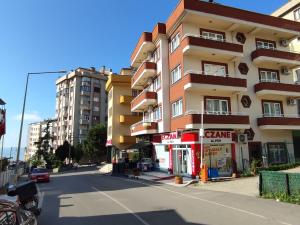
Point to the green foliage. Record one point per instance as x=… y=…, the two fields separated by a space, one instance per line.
x=283 y=197
x=253 y=167
x=94 y=145
x=36 y=161
x=77 y=152
x=4 y=163
x=246 y=173
x=62 y=152
x=280 y=167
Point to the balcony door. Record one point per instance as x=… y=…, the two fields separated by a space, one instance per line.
x=215 y=69
x=212 y=35
x=272 y=109
x=265 y=44
x=217 y=106
x=269 y=76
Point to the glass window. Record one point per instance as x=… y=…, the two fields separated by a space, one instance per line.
x=174 y=42
x=217 y=106
x=96 y=108
x=156 y=55
x=265 y=45
x=212 y=36
x=156 y=83
x=157 y=113
x=298 y=75
x=277 y=153
x=176 y=74
x=272 y=109
x=297 y=14
x=214 y=69
x=97 y=89
x=177 y=108
x=85 y=88
x=269 y=76
x=96 y=99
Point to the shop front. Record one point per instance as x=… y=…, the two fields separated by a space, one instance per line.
x=185 y=152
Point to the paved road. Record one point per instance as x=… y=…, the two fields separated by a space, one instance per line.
x=87 y=198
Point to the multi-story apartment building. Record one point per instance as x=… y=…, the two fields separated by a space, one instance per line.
x=35 y=132
x=229 y=69
x=120 y=117
x=81 y=102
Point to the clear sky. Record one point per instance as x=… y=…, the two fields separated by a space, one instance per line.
x=51 y=35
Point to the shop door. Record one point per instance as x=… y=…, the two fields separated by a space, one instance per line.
x=180 y=157
x=296 y=141
x=255 y=151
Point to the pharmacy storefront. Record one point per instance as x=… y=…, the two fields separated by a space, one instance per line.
x=181 y=153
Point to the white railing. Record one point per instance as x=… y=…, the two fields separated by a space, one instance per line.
x=218 y=113
x=199 y=72
x=204 y=37
x=277 y=81
x=143 y=121
x=10 y=177
x=268 y=115
x=276 y=49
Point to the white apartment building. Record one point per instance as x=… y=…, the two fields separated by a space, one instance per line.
x=35 y=132
x=81 y=102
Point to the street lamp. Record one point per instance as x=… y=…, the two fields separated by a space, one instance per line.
x=24 y=103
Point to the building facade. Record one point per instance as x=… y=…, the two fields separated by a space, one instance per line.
x=230 y=70
x=81 y=102
x=120 y=117
x=35 y=132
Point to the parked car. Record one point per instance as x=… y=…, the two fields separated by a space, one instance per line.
x=145 y=164
x=12 y=214
x=39 y=174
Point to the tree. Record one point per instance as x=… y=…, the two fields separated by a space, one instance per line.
x=94 y=145
x=62 y=152
x=44 y=149
x=77 y=152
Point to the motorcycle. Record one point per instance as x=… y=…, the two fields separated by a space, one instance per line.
x=28 y=196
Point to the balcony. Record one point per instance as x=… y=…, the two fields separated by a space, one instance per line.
x=126 y=99
x=84 y=122
x=85 y=93
x=83 y=132
x=124 y=139
x=143 y=46
x=211 y=49
x=279 y=122
x=144 y=127
x=276 y=88
x=192 y=120
x=143 y=100
x=274 y=57
x=84 y=104
x=129 y=119
x=142 y=75
x=197 y=81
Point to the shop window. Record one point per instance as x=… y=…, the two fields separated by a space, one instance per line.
x=265 y=44
x=277 y=153
x=272 y=109
x=268 y=76
x=212 y=35
x=174 y=43
x=217 y=106
x=177 y=108
x=176 y=74
x=215 y=69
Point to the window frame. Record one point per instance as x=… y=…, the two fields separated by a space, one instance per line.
x=180 y=109
x=264 y=101
x=297 y=12
x=175 y=41
x=220 y=100
x=257 y=40
x=158 y=110
x=223 y=34
x=260 y=70
x=156 y=83
x=215 y=63
x=178 y=68
x=282 y=148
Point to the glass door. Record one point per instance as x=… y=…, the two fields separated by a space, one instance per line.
x=180 y=159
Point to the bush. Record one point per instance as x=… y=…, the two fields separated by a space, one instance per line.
x=280 y=167
x=283 y=197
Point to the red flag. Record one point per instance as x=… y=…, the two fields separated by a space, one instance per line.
x=2 y=122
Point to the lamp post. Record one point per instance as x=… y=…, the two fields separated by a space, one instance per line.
x=24 y=103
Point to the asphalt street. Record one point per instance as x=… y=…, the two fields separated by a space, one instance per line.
x=86 y=197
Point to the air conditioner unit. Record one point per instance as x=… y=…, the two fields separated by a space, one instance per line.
x=284 y=42
x=291 y=101
x=242 y=138
x=285 y=70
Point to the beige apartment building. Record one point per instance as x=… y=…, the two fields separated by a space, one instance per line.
x=81 y=102
x=232 y=71
x=35 y=132
x=120 y=117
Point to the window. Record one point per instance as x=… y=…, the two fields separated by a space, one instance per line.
x=269 y=76
x=215 y=69
x=157 y=114
x=265 y=44
x=177 y=108
x=156 y=55
x=136 y=93
x=277 y=153
x=297 y=14
x=96 y=99
x=97 y=89
x=176 y=74
x=156 y=83
x=272 y=109
x=212 y=36
x=217 y=106
x=298 y=75
x=85 y=88
x=174 y=43
x=96 y=108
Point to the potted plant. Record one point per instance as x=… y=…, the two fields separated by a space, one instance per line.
x=178 y=179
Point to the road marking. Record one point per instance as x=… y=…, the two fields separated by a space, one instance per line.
x=122 y=205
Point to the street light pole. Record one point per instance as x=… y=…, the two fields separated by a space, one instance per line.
x=24 y=103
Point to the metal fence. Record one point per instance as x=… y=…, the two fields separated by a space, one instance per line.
x=10 y=177
x=271 y=182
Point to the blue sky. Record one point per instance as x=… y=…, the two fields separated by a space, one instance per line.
x=52 y=35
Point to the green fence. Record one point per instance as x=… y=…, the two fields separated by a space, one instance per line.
x=278 y=182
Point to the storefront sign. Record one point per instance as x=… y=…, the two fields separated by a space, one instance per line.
x=108 y=143
x=170 y=138
x=214 y=136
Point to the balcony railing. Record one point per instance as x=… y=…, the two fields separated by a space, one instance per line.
x=275 y=87
x=144 y=99
x=279 y=121
x=144 y=127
